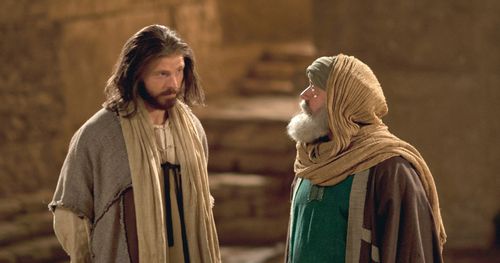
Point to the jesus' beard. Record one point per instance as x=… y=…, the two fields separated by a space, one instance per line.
x=156 y=102
x=306 y=127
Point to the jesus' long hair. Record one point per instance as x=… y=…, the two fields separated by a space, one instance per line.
x=150 y=43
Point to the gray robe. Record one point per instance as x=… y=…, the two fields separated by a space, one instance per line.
x=390 y=218
x=94 y=179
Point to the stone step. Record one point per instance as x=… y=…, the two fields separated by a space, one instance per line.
x=281 y=70
x=249 y=254
x=303 y=52
x=39 y=250
x=264 y=74
x=13 y=206
x=255 y=86
x=250 y=209
x=248 y=135
x=26 y=227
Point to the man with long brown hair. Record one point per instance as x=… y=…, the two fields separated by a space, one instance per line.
x=360 y=193
x=134 y=185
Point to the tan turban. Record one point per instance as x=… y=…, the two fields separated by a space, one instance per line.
x=360 y=139
x=319 y=71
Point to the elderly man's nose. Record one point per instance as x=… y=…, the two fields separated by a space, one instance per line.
x=306 y=93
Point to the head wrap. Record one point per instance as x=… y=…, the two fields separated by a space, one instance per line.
x=360 y=139
x=319 y=70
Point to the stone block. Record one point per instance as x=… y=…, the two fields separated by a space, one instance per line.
x=298 y=53
x=272 y=163
x=273 y=70
x=11 y=232
x=70 y=10
x=448 y=36
x=261 y=136
x=46 y=249
x=251 y=86
x=272 y=206
x=252 y=231
x=239 y=185
x=9 y=207
x=257 y=21
x=230 y=209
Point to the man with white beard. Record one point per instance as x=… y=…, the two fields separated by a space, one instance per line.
x=360 y=194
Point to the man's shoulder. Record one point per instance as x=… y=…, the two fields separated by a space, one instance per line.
x=395 y=162
x=395 y=171
x=101 y=120
x=101 y=124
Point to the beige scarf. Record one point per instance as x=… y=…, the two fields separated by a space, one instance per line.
x=360 y=139
x=145 y=168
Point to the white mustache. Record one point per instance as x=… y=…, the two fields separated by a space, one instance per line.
x=306 y=127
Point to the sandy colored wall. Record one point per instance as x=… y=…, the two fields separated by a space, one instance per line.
x=438 y=63
x=265 y=21
x=57 y=57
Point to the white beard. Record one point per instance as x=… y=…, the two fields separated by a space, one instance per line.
x=306 y=127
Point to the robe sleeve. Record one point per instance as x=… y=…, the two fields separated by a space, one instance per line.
x=74 y=190
x=73 y=233
x=403 y=217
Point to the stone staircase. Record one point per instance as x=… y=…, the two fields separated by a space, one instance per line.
x=279 y=71
x=250 y=165
x=26 y=230
x=251 y=157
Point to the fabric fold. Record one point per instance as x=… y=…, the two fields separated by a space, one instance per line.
x=145 y=167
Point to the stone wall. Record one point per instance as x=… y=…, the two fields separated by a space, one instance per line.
x=438 y=63
x=32 y=107
x=261 y=21
x=57 y=57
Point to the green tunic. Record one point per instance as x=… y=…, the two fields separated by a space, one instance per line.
x=319 y=226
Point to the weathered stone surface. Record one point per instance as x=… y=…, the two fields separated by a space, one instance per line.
x=252 y=231
x=279 y=71
x=251 y=254
x=26 y=233
x=26 y=227
x=299 y=53
x=249 y=209
x=455 y=35
x=266 y=136
x=45 y=249
x=251 y=162
x=9 y=208
x=248 y=135
x=258 y=21
x=32 y=109
x=252 y=86
x=273 y=70
x=243 y=109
